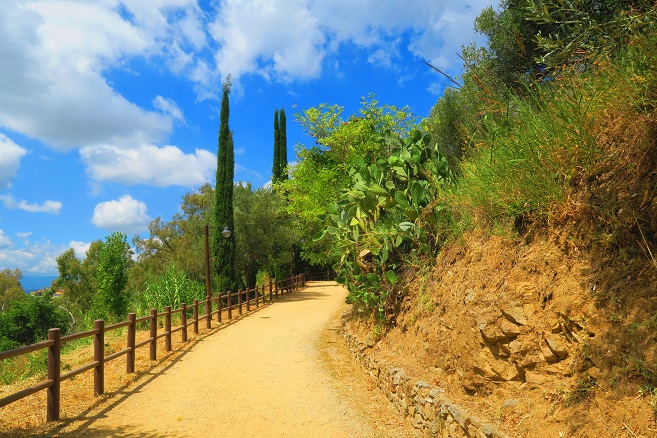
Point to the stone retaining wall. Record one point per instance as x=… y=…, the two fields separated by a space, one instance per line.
x=424 y=406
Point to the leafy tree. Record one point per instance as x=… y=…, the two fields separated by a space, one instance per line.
x=10 y=287
x=114 y=260
x=323 y=169
x=279 y=169
x=223 y=249
x=260 y=231
x=28 y=321
x=282 y=147
x=277 y=146
x=77 y=280
x=180 y=241
x=579 y=31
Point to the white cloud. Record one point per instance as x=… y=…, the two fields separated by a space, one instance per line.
x=10 y=159
x=149 y=164
x=80 y=248
x=5 y=241
x=53 y=207
x=272 y=38
x=24 y=235
x=290 y=39
x=126 y=214
x=56 y=53
x=168 y=106
x=33 y=258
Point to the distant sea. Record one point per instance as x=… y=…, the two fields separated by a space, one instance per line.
x=31 y=283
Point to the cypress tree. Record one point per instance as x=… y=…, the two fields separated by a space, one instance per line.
x=282 y=147
x=223 y=249
x=277 y=141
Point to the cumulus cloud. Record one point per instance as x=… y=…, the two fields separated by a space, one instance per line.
x=126 y=214
x=280 y=39
x=10 y=159
x=290 y=39
x=149 y=164
x=55 y=53
x=80 y=248
x=53 y=207
x=34 y=258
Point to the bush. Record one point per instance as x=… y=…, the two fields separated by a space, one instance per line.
x=28 y=321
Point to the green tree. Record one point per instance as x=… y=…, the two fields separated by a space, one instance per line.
x=260 y=231
x=277 y=146
x=77 y=281
x=323 y=169
x=28 y=321
x=282 y=147
x=114 y=261
x=223 y=249
x=180 y=241
x=10 y=287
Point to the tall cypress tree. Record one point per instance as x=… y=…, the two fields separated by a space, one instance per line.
x=277 y=141
x=223 y=249
x=282 y=147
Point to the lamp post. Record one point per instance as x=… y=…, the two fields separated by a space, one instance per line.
x=226 y=233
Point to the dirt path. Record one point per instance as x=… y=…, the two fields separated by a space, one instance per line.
x=282 y=371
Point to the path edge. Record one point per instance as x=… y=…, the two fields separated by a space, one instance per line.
x=425 y=407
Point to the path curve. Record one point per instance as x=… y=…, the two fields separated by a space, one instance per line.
x=268 y=381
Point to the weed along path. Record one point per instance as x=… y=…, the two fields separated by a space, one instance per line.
x=281 y=371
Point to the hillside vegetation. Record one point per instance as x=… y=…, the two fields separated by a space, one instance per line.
x=506 y=248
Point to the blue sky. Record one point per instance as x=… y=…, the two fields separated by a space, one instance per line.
x=109 y=108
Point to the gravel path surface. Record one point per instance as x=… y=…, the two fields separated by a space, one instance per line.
x=265 y=376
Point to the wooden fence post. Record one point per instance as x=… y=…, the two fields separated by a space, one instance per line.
x=183 y=321
x=248 y=301
x=230 y=305
x=130 y=357
x=219 y=305
x=196 y=317
x=99 y=356
x=54 y=358
x=208 y=312
x=153 y=334
x=167 y=328
x=278 y=283
x=239 y=300
x=270 y=289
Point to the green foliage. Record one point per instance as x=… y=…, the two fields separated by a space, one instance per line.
x=323 y=170
x=261 y=233
x=114 y=260
x=389 y=209
x=581 y=31
x=23 y=367
x=28 y=321
x=279 y=169
x=282 y=149
x=10 y=287
x=172 y=288
x=223 y=249
x=180 y=241
x=77 y=280
x=275 y=172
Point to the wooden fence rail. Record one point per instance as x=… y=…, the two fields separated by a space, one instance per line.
x=56 y=340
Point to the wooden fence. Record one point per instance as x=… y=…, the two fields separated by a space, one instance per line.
x=56 y=340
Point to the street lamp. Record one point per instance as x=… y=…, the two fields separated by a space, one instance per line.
x=226 y=233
